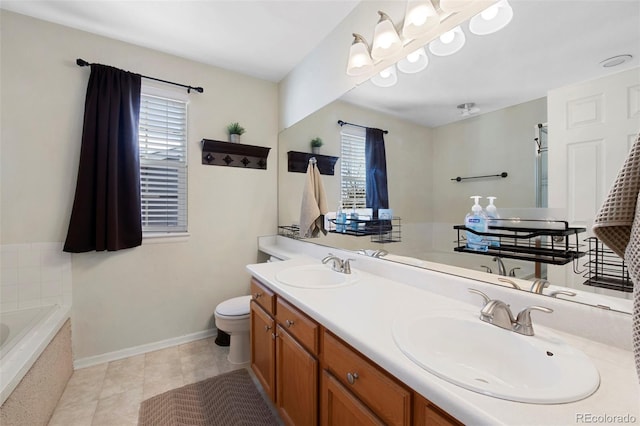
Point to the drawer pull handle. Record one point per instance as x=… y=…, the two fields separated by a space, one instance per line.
x=351 y=377
x=257 y=295
x=274 y=335
x=289 y=323
x=267 y=327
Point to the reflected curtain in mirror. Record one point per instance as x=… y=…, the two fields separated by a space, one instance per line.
x=376 y=165
x=106 y=207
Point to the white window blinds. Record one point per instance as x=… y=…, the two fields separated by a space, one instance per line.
x=353 y=174
x=163 y=164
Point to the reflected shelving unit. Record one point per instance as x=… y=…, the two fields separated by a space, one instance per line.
x=543 y=241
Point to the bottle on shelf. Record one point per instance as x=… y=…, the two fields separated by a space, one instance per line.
x=476 y=221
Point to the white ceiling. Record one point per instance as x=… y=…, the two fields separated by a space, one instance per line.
x=265 y=39
x=547 y=45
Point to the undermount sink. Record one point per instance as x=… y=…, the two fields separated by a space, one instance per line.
x=456 y=346
x=315 y=276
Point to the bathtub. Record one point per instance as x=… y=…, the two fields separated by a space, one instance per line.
x=25 y=334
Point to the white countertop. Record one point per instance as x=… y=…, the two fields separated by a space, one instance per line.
x=362 y=314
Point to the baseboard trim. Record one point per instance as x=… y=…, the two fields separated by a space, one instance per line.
x=142 y=349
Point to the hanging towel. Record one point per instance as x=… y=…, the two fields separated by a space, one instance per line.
x=314 y=204
x=618 y=226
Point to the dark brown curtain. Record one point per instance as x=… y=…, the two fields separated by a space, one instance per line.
x=106 y=209
x=376 y=168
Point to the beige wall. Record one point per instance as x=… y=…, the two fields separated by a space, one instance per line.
x=408 y=150
x=157 y=291
x=487 y=144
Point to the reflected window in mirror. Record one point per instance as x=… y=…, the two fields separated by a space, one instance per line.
x=353 y=174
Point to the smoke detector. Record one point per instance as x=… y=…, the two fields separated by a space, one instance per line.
x=615 y=61
x=468 y=109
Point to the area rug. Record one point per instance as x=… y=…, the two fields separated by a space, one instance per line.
x=230 y=399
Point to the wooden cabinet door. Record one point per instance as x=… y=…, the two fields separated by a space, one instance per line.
x=338 y=406
x=425 y=413
x=263 y=349
x=296 y=382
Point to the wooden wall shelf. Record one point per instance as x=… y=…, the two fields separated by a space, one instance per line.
x=297 y=162
x=219 y=153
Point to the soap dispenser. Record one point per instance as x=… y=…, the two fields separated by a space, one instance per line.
x=476 y=221
x=492 y=213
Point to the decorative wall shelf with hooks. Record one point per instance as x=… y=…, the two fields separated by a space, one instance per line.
x=542 y=241
x=297 y=162
x=219 y=153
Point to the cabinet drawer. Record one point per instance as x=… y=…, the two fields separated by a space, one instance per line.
x=390 y=401
x=425 y=413
x=263 y=296
x=298 y=325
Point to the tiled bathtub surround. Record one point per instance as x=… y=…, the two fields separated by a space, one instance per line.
x=34 y=274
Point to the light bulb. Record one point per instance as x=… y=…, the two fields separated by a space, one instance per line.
x=413 y=57
x=386 y=40
x=492 y=19
x=490 y=13
x=418 y=16
x=448 y=37
x=359 y=59
x=385 y=73
x=414 y=62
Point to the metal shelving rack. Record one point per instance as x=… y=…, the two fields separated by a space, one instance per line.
x=542 y=241
x=605 y=268
x=380 y=230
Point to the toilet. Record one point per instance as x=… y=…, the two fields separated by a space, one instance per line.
x=232 y=317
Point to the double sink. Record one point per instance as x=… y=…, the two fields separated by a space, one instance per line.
x=459 y=348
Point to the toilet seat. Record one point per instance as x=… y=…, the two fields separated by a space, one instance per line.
x=237 y=307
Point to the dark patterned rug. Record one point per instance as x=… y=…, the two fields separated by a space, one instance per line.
x=230 y=399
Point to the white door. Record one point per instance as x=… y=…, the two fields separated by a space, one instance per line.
x=591 y=128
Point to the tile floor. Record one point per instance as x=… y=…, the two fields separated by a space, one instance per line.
x=110 y=394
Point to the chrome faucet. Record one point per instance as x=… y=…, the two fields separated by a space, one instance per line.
x=498 y=313
x=379 y=253
x=338 y=265
x=373 y=253
x=501 y=269
x=563 y=292
x=539 y=285
x=511 y=283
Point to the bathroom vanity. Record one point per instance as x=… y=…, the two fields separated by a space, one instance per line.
x=332 y=355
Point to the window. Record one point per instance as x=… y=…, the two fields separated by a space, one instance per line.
x=353 y=174
x=163 y=164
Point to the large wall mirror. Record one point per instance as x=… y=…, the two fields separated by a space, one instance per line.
x=521 y=80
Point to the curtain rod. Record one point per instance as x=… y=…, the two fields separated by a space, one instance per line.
x=342 y=123
x=83 y=63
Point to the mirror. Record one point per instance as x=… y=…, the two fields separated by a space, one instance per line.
x=429 y=144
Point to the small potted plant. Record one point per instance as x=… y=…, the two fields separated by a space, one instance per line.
x=316 y=143
x=235 y=130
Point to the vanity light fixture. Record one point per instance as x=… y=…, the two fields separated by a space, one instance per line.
x=360 y=61
x=386 y=40
x=419 y=19
x=386 y=78
x=414 y=62
x=468 y=109
x=492 y=19
x=448 y=43
x=453 y=6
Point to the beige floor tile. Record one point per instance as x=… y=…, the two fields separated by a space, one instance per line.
x=123 y=375
x=193 y=375
x=74 y=414
x=198 y=346
x=84 y=385
x=120 y=409
x=163 y=356
x=157 y=385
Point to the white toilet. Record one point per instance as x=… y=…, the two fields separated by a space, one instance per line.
x=232 y=317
